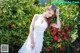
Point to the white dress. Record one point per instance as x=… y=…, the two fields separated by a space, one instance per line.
x=39 y=29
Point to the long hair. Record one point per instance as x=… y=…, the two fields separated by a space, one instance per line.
x=49 y=20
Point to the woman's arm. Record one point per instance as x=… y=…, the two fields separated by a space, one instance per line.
x=32 y=28
x=58 y=24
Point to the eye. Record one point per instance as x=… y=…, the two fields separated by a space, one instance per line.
x=50 y=13
x=48 y=9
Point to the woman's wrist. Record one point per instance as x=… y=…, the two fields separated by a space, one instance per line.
x=57 y=16
x=32 y=42
x=57 y=12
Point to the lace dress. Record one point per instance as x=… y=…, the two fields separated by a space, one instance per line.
x=38 y=32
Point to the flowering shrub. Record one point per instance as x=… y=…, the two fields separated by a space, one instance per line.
x=61 y=37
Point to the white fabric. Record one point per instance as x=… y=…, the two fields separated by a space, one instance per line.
x=39 y=29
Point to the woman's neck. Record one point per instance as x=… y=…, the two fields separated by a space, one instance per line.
x=44 y=17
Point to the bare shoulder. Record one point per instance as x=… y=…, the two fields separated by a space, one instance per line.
x=38 y=14
x=35 y=16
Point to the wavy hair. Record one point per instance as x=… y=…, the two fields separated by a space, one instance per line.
x=49 y=20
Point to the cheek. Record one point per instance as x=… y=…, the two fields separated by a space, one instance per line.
x=50 y=15
x=47 y=14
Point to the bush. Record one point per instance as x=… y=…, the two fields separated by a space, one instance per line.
x=15 y=19
x=53 y=41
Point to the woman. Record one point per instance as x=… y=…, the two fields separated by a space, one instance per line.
x=39 y=24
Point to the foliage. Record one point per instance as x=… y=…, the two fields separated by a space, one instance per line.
x=15 y=19
x=58 y=39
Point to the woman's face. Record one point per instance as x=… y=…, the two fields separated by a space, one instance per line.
x=49 y=12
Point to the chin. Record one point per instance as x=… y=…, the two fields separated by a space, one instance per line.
x=47 y=16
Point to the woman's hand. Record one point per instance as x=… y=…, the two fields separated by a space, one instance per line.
x=32 y=40
x=58 y=24
x=57 y=12
x=32 y=44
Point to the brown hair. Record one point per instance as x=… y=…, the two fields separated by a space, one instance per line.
x=49 y=20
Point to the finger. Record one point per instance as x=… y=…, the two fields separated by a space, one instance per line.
x=32 y=46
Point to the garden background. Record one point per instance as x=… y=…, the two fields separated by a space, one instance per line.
x=15 y=19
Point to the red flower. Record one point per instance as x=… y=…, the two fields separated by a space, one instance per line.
x=60 y=49
x=53 y=33
x=60 y=43
x=69 y=38
x=11 y=24
x=55 y=38
x=67 y=28
x=49 y=48
x=53 y=28
x=64 y=34
x=59 y=30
